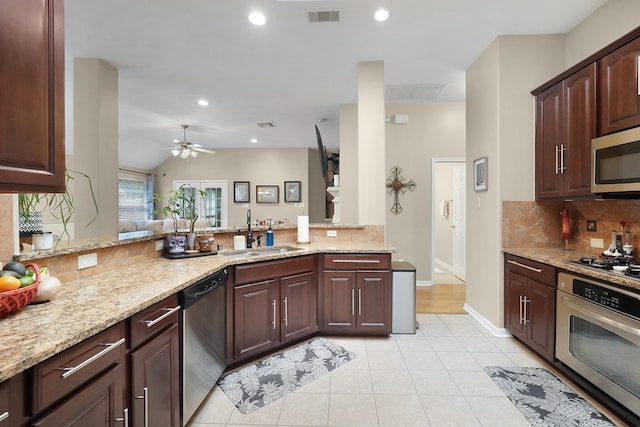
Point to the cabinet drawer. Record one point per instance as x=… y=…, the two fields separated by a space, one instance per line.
x=61 y=374
x=537 y=271
x=357 y=261
x=271 y=269
x=153 y=320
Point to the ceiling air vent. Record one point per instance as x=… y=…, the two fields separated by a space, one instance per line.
x=314 y=16
x=266 y=125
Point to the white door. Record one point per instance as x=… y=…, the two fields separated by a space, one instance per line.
x=459 y=222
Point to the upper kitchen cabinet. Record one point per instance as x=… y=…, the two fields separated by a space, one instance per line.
x=620 y=89
x=565 y=125
x=32 y=101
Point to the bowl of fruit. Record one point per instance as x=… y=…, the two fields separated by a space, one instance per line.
x=18 y=286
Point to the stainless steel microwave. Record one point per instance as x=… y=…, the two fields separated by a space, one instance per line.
x=615 y=162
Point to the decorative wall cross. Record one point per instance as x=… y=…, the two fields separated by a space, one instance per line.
x=396 y=184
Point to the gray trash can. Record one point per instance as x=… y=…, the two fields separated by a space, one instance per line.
x=403 y=311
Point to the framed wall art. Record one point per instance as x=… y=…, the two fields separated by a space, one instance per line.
x=480 y=174
x=267 y=194
x=241 y=192
x=292 y=191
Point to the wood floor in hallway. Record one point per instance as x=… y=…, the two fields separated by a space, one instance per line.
x=446 y=296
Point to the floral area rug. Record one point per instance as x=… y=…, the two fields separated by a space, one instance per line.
x=257 y=385
x=544 y=400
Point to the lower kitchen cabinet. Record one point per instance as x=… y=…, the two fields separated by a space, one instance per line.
x=354 y=300
x=98 y=404
x=155 y=366
x=529 y=298
x=5 y=412
x=274 y=302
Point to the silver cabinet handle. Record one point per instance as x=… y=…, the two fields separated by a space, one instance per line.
x=525 y=301
x=4 y=415
x=69 y=371
x=170 y=311
x=359 y=301
x=562 y=166
x=273 y=304
x=145 y=398
x=357 y=261
x=353 y=302
x=125 y=417
x=556 y=160
x=537 y=270
x=638 y=72
x=520 y=310
x=286 y=312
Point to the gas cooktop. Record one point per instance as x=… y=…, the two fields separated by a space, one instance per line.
x=620 y=265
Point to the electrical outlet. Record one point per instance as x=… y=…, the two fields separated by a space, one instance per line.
x=87 y=260
x=332 y=233
x=597 y=243
x=159 y=245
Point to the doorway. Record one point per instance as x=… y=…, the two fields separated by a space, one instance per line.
x=448 y=225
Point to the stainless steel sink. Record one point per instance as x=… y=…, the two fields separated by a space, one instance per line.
x=250 y=253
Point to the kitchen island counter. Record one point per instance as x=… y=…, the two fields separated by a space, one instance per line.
x=86 y=306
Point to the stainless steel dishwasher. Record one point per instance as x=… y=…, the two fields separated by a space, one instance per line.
x=203 y=339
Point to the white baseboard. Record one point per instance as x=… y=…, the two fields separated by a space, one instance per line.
x=498 y=332
x=424 y=283
x=443 y=264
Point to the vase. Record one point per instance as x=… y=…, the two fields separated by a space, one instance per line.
x=191 y=241
x=29 y=223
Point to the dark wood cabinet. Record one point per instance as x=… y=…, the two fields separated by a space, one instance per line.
x=357 y=294
x=154 y=395
x=5 y=408
x=274 y=302
x=620 y=89
x=565 y=124
x=529 y=304
x=32 y=101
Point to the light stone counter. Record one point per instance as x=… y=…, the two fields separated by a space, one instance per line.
x=561 y=258
x=87 y=306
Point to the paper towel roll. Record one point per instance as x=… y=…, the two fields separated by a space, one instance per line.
x=239 y=243
x=336 y=180
x=303 y=229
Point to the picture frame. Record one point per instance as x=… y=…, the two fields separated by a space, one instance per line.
x=292 y=191
x=480 y=174
x=241 y=193
x=267 y=194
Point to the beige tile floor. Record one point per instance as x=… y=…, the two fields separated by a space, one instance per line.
x=433 y=378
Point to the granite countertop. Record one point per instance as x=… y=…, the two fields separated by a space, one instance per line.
x=84 y=307
x=561 y=258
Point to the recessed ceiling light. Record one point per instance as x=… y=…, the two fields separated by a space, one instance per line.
x=381 y=15
x=203 y=102
x=254 y=141
x=257 y=18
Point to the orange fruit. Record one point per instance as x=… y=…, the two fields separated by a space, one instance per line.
x=9 y=283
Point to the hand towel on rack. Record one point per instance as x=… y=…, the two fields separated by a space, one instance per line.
x=444 y=208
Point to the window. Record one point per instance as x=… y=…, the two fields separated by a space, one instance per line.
x=214 y=208
x=132 y=198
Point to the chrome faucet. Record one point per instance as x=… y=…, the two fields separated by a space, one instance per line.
x=250 y=238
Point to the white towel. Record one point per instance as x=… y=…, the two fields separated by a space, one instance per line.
x=444 y=208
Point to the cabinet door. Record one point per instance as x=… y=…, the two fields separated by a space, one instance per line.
x=97 y=404
x=549 y=145
x=32 y=101
x=619 y=90
x=373 y=311
x=4 y=404
x=515 y=291
x=339 y=300
x=155 y=381
x=580 y=121
x=542 y=315
x=299 y=306
x=256 y=325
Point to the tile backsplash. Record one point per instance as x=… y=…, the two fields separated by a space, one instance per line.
x=538 y=224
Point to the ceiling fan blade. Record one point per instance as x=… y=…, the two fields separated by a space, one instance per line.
x=203 y=150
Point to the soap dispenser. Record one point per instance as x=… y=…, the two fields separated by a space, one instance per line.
x=270 y=235
x=239 y=241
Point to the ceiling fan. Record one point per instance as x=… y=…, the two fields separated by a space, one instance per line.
x=186 y=149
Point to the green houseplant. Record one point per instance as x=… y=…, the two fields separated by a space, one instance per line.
x=181 y=203
x=60 y=205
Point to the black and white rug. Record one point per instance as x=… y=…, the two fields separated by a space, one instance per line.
x=257 y=385
x=544 y=400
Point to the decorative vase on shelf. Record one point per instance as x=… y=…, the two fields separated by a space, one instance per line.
x=29 y=223
x=191 y=241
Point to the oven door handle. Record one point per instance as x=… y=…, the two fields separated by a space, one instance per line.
x=603 y=319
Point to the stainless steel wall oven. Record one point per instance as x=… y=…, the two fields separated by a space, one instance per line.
x=598 y=336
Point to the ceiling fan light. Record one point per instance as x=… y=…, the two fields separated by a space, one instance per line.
x=185 y=153
x=194 y=153
x=175 y=152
